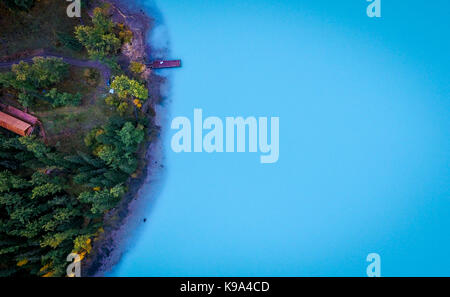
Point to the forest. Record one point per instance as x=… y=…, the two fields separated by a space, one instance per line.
x=53 y=199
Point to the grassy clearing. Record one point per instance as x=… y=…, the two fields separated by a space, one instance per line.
x=38 y=28
x=66 y=127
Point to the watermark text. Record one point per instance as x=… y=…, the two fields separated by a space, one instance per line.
x=235 y=138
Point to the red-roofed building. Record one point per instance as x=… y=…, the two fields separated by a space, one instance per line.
x=17 y=113
x=17 y=121
x=15 y=125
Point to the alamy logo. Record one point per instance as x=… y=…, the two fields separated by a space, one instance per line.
x=213 y=141
x=74 y=268
x=74 y=8
x=374 y=268
x=374 y=9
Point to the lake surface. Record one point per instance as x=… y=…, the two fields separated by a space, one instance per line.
x=364 y=141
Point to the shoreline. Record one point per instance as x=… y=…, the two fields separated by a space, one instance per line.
x=122 y=223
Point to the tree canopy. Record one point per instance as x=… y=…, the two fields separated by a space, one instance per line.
x=103 y=38
x=129 y=88
x=31 y=79
x=52 y=204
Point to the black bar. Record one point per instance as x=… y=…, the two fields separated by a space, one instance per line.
x=148 y=287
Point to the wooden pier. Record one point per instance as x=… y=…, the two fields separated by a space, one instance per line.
x=159 y=64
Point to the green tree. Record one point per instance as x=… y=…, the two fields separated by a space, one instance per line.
x=63 y=99
x=39 y=219
x=42 y=73
x=103 y=200
x=126 y=87
x=137 y=67
x=99 y=39
x=130 y=135
x=123 y=108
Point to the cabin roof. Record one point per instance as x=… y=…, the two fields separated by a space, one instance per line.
x=17 y=113
x=15 y=125
x=26 y=117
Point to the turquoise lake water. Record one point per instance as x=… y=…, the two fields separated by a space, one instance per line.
x=364 y=141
